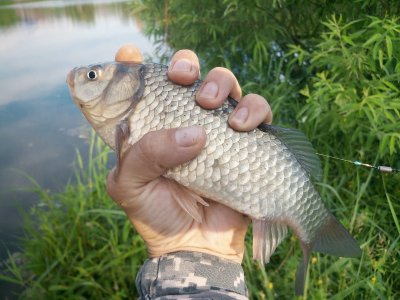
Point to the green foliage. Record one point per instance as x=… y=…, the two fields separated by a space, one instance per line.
x=332 y=69
x=78 y=243
x=355 y=84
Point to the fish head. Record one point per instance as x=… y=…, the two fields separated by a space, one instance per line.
x=106 y=93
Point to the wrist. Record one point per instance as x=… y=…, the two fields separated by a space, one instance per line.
x=228 y=255
x=186 y=272
x=197 y=241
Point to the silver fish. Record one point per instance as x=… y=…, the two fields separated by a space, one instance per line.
x=266 y=173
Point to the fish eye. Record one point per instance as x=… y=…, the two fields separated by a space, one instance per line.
x=92 y=75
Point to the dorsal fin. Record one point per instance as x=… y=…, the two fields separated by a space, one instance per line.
x=297 y=143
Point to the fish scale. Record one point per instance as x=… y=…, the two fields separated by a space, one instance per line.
x=278 y=174
x=265 y=173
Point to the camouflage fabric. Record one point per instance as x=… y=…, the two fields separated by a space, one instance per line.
x=190 y=275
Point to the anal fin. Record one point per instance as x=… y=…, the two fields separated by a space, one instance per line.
x=188 y=200
x=267 y=235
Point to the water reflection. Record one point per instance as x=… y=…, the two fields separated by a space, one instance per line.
x=83 y=11
x=39 y=125
x=47 y=41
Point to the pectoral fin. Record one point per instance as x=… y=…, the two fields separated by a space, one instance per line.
x=188 y=200
x=122 y=133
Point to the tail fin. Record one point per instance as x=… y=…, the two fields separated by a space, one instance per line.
x=331 y=239
x=334 y=239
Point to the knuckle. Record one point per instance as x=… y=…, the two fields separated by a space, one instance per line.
x=226 y=81
x=256 y=101
x=148 y=148
x=145 y=147
x=221 y=71
x=111 y=184
x=259 y=110
x=263 y=104
x=184 y=52
x=116 y=189
x=187 y=54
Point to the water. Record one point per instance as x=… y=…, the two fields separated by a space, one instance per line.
x=40 y=128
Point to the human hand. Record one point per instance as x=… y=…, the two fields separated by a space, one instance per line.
x=147 y=197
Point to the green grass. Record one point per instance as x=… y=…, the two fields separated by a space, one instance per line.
x=374 y=276
x=79 y=245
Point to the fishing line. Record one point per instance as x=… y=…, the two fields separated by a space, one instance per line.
x=383 y=169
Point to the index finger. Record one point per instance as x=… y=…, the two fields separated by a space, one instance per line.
x=129 y=53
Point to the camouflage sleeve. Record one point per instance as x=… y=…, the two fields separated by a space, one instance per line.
x=190 y=275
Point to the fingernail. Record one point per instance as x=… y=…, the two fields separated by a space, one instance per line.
x=182 y=65
x=240 y=116
x=187 y=136
x=209 y=90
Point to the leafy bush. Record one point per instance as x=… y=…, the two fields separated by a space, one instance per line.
x=354 y=90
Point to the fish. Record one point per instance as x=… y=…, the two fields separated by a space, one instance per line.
x=268 y=174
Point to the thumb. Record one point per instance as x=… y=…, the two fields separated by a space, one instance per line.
x=158 y=151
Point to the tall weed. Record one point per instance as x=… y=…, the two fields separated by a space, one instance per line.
x=78 y=244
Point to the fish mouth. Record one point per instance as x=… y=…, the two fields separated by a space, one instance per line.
x=70 y=79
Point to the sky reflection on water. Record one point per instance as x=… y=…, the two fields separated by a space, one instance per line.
x=36 y=54
x=39 y=124
x=59 y=3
